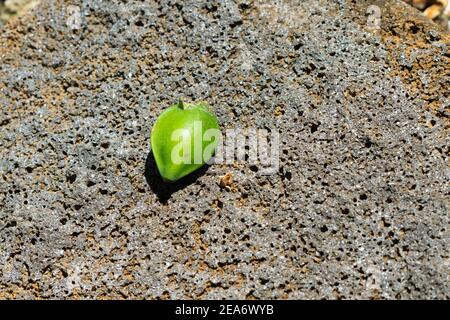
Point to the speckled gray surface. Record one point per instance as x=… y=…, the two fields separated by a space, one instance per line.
x=358 y=209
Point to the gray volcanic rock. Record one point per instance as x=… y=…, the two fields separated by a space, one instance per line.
x=357 y=209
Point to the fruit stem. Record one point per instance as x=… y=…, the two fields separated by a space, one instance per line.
x=180 y=103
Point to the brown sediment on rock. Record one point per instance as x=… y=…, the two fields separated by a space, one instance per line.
x=418 y=53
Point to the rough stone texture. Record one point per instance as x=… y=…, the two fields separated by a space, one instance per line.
x=358 y=209
x=12 y=8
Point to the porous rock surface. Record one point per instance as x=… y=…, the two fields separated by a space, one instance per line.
x=357 y=209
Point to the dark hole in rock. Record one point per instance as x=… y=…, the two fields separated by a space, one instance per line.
x=314 y=127
x=71 y=178
x=298 y=46
x=414 y=29
x=236 y=23
x=104 y=145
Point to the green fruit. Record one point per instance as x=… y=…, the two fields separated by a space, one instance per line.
x=183 y=139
